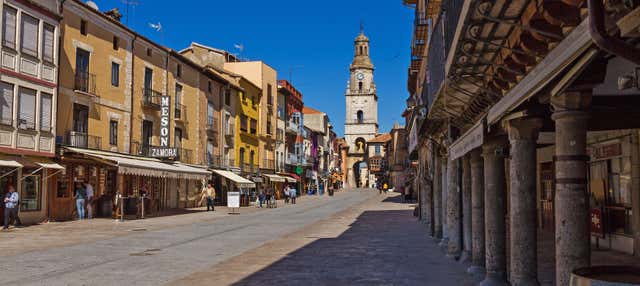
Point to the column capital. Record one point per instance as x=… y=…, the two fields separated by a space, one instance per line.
x=495 y=146
x=571 y=100
x=523 y=128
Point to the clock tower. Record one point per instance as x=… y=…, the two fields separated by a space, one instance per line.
x=361 y=117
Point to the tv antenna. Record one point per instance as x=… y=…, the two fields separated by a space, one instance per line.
x=129 y=3
x=158 y=28
x=291 y=68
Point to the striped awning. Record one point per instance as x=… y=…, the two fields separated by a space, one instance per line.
x=275 y=178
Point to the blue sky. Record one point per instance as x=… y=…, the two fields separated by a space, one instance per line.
x=313 y=39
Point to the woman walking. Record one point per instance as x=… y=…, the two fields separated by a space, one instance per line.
x=80 y=194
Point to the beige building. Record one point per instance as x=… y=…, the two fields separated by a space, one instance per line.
x=28 y=89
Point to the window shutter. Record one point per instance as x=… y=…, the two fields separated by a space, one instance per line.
x=29 y=35
x=45 y=112
x=27 y=104
x=6 y=103
x=9 y=27
x=47 y=43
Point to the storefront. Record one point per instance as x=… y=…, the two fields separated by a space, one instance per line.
x=276 y=182
x=165 y=185
x=226 y=181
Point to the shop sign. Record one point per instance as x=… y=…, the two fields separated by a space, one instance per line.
x=596 y=222
x=605 y=151
x=233 y=199
x=164 y=151
x=299 y=170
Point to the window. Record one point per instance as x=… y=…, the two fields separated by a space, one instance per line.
x=115 y=74
x=6 y=103
x=179 y=70
x=227 y=97
x=148 y=52
x=360 y=116
x=83 y=27
x=360 y=86
x=254 y=126
x=209 y=88
x=9 y=27
x=113 y=132
x=377 y=149
x=178 y=101
x=243 y=122
x=269 y=95
x=27 y=109
x=47 y=43
x=210 y=160
x=45 y=112
x=269 y=126
x=29 y=34
x=30 y=193
x=177 y=140
x=115 y=43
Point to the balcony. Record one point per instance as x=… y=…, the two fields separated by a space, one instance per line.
x=247 y=167
x=85 y=82
x=180 y=112
x=293 y=127
x=151 y=98
x=230 y=162
x=212 y=125
x=213 y=160
x=231 y=129
x=185 y=156
x=268 y=164
x=292 y=159
x=83 y=140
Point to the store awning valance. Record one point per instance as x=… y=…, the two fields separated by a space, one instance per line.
x=275 y=178
x=141 y=166
x=239 y=181
x=10 y=164
x=49 y=164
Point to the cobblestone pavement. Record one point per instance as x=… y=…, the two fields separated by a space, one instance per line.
x=152 y=251
x=374 y=243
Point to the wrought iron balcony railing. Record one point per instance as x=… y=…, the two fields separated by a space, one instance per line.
x=83 y=140
x=151 y=98
x=85 y=82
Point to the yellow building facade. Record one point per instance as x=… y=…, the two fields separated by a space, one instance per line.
x=247 y=144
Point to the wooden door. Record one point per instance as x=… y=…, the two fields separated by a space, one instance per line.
x=61 y=202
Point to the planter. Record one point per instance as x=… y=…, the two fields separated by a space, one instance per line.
x=606 y=276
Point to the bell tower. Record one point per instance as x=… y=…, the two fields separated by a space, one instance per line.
x=361 y=113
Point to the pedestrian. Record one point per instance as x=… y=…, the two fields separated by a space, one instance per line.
x=11 y=199
x=89 y=189
x=80 y=194
x=261 y=197
x=292 y=194
x=385 y=188
x=210 y=195
x=286 y=193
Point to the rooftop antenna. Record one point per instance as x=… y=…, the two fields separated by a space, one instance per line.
x=291 y=72
x=129 y=3
x=361 y=27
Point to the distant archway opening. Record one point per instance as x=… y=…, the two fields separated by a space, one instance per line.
x=360 y=117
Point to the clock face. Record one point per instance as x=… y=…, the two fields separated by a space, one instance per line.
x=360 y=76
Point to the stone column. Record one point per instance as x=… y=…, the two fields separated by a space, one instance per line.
x=466 y=209
x=444 y=243
x=454 y=214
x=523 y=262
x=635 y=185
x=437 y=195
x=572 y=236
x=477 y=214
x=427 y=191
x=493 y=153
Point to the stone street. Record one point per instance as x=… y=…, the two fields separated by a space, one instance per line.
x=354 y=238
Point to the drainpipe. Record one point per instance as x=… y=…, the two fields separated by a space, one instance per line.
x=133 y=84
x=603 y=40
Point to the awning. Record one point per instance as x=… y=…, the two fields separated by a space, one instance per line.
x=196 y=173
x=275 y=178
x=239 y=181
x=256 y=179
x=10 y=164
x=55 y=166
x=292 y=178
x=142 y=166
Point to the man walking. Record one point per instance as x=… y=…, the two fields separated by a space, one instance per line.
x=210 y=194
x=89 y=190
x=11 y=208
x=292 y=194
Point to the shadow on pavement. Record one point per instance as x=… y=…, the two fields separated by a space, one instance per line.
x=380 y=248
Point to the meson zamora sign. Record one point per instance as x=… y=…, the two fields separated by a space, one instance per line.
x=164 y=151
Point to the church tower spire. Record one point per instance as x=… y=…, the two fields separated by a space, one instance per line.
x=361 y=58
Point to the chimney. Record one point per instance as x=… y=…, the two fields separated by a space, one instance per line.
x=114 y=14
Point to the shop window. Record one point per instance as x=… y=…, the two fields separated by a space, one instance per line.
x=30 y=193
x=63 y=184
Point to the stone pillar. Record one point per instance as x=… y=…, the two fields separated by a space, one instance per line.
x=427 y=191
x=477 y=214
x=437 y=195
x=523 y=262
x=493 y=152
x=444 y=243
x=572 y=233
x=454 y=214
x=635 y=186
x=466 y=209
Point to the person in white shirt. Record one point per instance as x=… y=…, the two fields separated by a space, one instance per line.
x=89 y=190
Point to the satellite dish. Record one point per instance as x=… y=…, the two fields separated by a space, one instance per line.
x=93 y=5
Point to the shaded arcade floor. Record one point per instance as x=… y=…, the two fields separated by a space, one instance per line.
x=376 y=243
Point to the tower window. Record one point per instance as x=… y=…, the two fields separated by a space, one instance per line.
x=361 y=50
x=360 y=116
x=360 y=86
